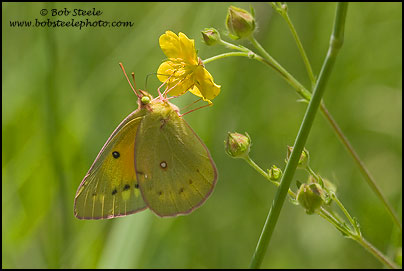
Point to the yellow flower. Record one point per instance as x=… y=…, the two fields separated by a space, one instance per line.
x=184 y=69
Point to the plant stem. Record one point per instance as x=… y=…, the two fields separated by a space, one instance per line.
x=369 y=247
x=263 y=173
x=301 y=90
x=250 y=54
x=356 y=236
x=330 y=217
x=273 y=215
x=368 y=177
x=284 y=13
x=221 y=56
x=288 y=77
x=315 y=176
x=234 y=47
x=346 y=213
x=321 y=212
x=257 y=168
x=312 y=173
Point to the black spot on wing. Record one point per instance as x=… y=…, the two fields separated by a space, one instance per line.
x=163 y=164
x=116 y=154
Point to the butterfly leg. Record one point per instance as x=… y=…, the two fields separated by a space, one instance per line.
x=158 y=89
x=209 y=104
x=168 y=90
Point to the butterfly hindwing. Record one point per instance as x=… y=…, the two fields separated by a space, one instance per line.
x=175 y=170
x=110 y=188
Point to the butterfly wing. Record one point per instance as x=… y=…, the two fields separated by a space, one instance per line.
x=174 y=168
x=110 y=188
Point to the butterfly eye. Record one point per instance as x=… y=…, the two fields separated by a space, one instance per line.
x=145 y=100
x=115 y=154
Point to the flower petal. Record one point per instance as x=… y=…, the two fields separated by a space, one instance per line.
x=170 y=44
x=179 y=86
x=206 y=88
x=165 y=71
x=196 y=92
x=188 y=52
x=183 y=69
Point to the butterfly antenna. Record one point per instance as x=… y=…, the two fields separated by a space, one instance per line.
x=153 y=73
x=147 y=77
x=209 y=104
x=134 y=90
x=134 y=81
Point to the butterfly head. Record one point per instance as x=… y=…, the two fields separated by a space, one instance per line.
x=144 y=97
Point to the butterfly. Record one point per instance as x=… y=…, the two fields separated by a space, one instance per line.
x=154 y=160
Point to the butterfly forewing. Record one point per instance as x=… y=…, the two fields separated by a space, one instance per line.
x=174 y=168
x=110 y=188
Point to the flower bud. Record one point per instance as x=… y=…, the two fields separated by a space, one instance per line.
x=310 y=197
x=239 y=23
x=211 y=36
x=274 y=173
x=303 y=160
x=238 y=145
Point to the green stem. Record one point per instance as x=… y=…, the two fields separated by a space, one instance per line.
x=301 y=49
x=369 y=247
x=234 y=47
x=263 y=173
x=267 y=59
x=246 y=53
x=221 y=56
x=368 y=177
x=288 y=77
x=307 y=96
x=257 y=168
x=312 y=173
x=333 y=220
x=317 y=177
x=330 y=217
x=322 y=212
x=346 y=213
x=273 y=215
x=284 y=13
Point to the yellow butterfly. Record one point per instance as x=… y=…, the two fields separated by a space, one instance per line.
x=153 y=160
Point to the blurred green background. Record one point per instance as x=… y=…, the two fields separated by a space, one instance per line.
x=64 y=93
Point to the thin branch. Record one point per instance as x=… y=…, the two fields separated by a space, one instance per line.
x=336 y=42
